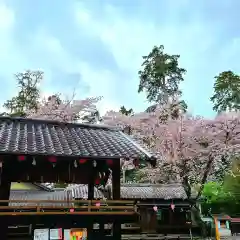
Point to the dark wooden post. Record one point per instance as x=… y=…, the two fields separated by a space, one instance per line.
x=101 y=230
x=170 y=216
x=116 y=192
x=90 y=197
x=5 y=186
x=116 y=174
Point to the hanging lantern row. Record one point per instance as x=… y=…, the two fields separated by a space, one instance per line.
x=53 y=160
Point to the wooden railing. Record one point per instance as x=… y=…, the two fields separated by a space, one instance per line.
x=159 y=237
x=73 y=207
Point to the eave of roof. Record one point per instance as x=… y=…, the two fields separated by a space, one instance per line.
x=58 y=123
x=87 y=140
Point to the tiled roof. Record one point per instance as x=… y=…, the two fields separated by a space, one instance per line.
x=81 y=191
x=235 y=220
x=40 y=187
x=150 y=191
x=39 y=137
x=136 y=191
x=29 y=195
x=77 y=192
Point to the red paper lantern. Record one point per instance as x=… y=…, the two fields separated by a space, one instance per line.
x=72 y=210
x=52 y=159
x=109 y=162
x=82 y=161
x=21 y=158
x=98 y=204
x=97 y=181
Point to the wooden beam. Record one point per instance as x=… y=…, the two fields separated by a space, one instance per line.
x=91 y=180
x=116 y=193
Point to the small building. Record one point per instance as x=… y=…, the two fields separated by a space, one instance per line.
x=222 y=225
x=163 y=208
x=44 y=151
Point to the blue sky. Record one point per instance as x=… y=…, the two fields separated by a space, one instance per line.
x=95 y=46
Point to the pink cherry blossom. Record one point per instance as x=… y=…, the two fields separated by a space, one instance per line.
x=189 y=149
x=67 y=110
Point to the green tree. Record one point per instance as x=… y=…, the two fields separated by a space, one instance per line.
x=126 y=112
x=224 y=197
x=226 y=94
x=28 y=95
x=232 y=181
x=161 y=76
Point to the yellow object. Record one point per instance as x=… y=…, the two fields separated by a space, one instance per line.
x=217 y=230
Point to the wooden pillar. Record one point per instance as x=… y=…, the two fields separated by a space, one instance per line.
x=116 y=192
x=101 y=230
x=5 y=186
x=170 y=216
x=116 y=174
x=144 y=219
x=90 y=197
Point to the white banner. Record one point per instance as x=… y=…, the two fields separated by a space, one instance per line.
x=56 y=234
x=41 y=234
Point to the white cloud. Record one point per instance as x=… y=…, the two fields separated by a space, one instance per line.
x=6 y=18
x=129 y=38
x=100 y=81
x=101 y=84
x=11 y=58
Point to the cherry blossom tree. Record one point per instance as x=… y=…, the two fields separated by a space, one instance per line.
x=190 y=149
x=68 y=110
